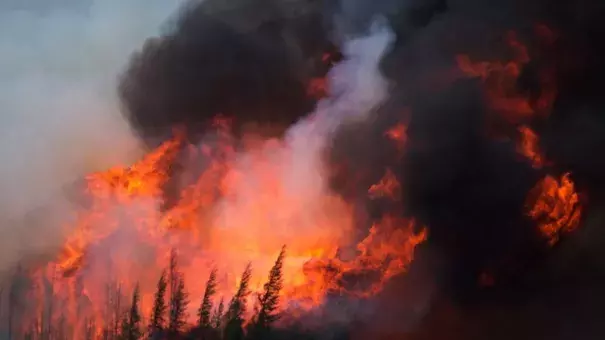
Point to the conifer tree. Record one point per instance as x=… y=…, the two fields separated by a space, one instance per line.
x=158 y=320
x=206 y=305
x=237 y=308
x=269 y=299
x=131 y=323
x=172 y=279
x=178 y=314
x=217 y=318
x=124 y=327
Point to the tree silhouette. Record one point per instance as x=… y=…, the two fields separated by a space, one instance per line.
x=269 y=300
x=131 y=323
x=178 y=313
x=158 y=320
x=124 y=327
x=237 y=308
x=205 y=310
x=172 y=277
x=217 y=318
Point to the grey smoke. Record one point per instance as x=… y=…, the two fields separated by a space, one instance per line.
x=60 y=119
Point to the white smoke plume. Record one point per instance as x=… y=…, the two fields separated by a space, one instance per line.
x=356 y=88
x=59 y=65
x=296 y=164
x=63 y=121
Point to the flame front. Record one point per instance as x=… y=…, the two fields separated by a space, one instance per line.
x=556 y=207
x=236 y=210
x=239 y=202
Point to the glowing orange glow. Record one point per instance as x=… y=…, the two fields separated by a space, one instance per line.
x=556 y=207
x=233 y=211
x=317 y=88
x=387 y=187
x=386 y=251
x=528 y=147
x=553 y=203
x=398 y=134
x=500 y=81
x=116 y=185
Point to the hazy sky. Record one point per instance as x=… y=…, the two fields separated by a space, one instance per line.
x=58 y=68
x=59 y=116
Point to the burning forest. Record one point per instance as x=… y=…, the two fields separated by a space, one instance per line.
x=273 y=169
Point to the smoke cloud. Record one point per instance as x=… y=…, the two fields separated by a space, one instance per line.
x=466 y=182
x=247 y=60
x=81 y=107
x=61 y=116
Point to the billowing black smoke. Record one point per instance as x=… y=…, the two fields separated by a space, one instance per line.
x=574 y=135
x=253 y=63
x=468 y=186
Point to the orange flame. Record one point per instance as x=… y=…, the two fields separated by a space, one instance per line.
x=388 y=186
x=398 y=134
x=528 y=147
x=553 y=203
x=235 y=211
x=387 y=251
x=556 y=207
x=143 y=179
x=500 y=79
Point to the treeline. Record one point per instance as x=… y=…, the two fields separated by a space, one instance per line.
x=223 y=321
x=25 y=314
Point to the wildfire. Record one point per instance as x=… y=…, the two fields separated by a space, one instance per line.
x=398 y=135
x=500 y=79
x=236 y=210
x=528 y=147
x=119 y=184
x=556 y=207
x=239 y=204
x=317 y=87
x=388 y=186
x=553 y=203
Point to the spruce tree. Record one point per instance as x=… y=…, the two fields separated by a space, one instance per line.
x=269 y=299
x=178 y=313
x=237 y=308
x=131 y=323
x=172 y=277
x=217 y=318
x=124 y=327
x=158 y=320
x=206 y=305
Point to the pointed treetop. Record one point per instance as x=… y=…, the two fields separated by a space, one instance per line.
x=205 y=309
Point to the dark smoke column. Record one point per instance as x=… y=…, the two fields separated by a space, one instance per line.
x=248 y=59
